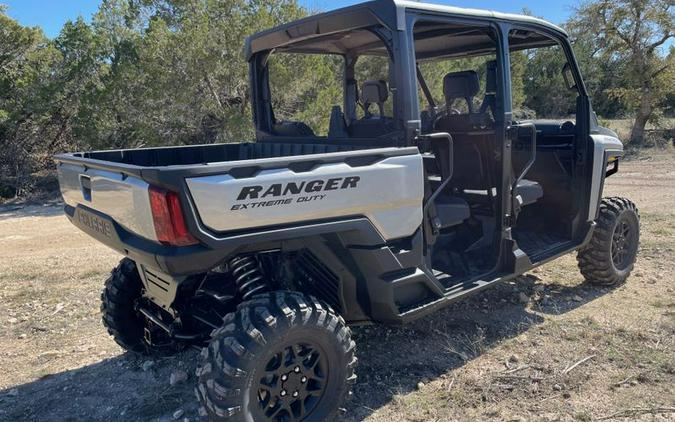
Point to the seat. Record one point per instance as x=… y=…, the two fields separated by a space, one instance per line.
x=292 y=129
x=336 y=126
x=458 y=85
x=472 y=171
x=470 y=167
x=450 y=211
x=372 y=126
x=528 y=192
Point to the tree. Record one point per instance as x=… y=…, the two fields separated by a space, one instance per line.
x=630 y=34
x=26 y=63
x=144 y=72
x=177 y=74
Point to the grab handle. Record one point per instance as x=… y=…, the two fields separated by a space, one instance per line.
x=533 y=150
x=436 y=137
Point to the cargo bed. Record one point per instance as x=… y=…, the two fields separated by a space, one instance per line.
x=225 y=191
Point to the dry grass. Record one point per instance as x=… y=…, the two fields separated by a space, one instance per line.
x=491 y=357
x=622 y=127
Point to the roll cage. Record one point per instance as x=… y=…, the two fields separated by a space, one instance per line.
x=390 y=23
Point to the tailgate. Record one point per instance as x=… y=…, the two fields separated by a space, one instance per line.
x=121 y=197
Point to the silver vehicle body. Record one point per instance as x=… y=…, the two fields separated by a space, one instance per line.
x=606 y=148
x=124 y=198
x=388 y=192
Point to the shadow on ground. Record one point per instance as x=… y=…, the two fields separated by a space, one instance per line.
x=393 y=360
x=118 y=388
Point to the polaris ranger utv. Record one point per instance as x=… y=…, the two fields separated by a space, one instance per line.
x=425 y=185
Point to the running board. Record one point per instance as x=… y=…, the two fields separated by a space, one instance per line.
x=452 y=294
x=555 y=251
x=459 y=291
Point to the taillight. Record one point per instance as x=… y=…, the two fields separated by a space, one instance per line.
x=168 y=217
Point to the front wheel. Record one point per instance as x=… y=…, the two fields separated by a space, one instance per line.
x=610 y=256
x=281 y=356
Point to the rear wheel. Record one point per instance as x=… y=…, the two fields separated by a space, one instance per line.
x=610 y=255
x=281 y=356
x=119 y=300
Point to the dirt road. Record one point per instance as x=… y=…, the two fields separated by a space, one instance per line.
x=501 y=355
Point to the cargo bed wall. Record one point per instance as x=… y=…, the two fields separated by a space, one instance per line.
x=258 y=186
x=388 y=191
x=213 y=153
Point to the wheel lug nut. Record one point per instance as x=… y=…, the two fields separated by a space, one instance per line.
x=283 y=393
x=284 y=377
x=295 y=394
x=297 y=369
x=303 y=380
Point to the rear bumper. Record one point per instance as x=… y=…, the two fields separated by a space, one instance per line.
x=170 y=259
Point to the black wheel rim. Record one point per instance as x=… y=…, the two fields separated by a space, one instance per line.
x=293 y=382
x=622 y=245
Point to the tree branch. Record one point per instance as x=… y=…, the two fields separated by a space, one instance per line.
x=661 y=41
x=213 y=90
x=660 y=70
x=612 y=27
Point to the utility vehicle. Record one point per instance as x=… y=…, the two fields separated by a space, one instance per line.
x=426 y=181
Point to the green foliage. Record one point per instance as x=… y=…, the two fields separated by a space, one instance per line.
x=143 y=73
x=544 y=88
x=27 y=122
x=624 y=39
x=518 y=67
x=159 y=72
x=305 y=87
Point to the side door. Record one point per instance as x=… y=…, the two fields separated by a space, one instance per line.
x=549 y=129
x=456 y=68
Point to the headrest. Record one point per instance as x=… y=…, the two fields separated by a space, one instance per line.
x=462 y=84
x=491 y=77
x=374 y=92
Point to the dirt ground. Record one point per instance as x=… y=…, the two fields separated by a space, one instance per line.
x=505 y=355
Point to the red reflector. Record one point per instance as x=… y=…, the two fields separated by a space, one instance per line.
x=167 y=215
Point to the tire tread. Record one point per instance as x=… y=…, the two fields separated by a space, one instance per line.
x=245 y=334
x=594 y=263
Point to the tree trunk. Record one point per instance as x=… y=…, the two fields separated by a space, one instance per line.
x=637 y=133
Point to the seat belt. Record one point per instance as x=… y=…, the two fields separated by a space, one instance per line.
x=425 y=88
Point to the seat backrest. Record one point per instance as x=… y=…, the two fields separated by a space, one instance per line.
x=371 y=126
x=336 y=125
x=471 y=150
x=469 y=172
x=460 y=85
x=374 y=92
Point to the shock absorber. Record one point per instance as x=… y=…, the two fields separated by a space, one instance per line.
x=247 y=276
